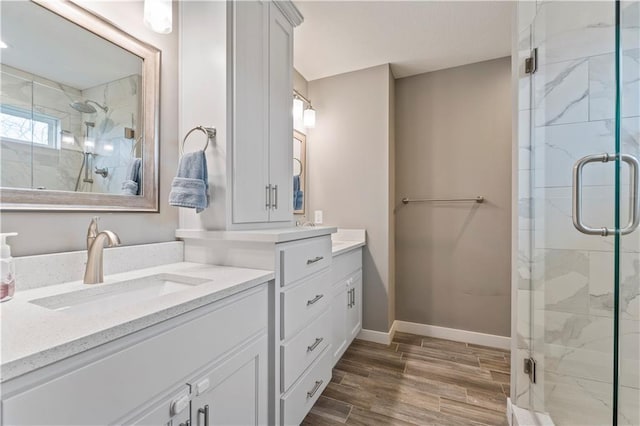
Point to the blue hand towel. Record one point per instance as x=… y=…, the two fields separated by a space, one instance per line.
x=296 y=183
x=131 y=184
x=298 y=200
x=190 y=187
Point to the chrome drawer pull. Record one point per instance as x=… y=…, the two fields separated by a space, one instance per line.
x=315 y=344
x=315 y=259
x=315 y=389
x=204 y=411
x=267 y=196
x=315 y=299
x=275 y=197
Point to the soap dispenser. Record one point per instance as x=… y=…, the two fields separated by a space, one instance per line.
x=8 y=277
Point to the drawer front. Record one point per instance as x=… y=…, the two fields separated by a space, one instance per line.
x=296 y=403
x=301 y=259
x=346 y=264
x=109 y=388
x=303 y=349
x=300 y=304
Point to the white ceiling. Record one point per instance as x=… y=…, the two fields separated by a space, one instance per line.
x=414 y=36
x=43 y=43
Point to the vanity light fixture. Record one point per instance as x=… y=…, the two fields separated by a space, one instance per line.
x=309 y=117
x=298 y=107
x=158 y=15
x=309 y=114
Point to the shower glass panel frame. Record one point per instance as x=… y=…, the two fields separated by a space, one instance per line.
x=584 y=291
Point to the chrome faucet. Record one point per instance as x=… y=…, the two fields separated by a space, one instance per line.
x=95 y=248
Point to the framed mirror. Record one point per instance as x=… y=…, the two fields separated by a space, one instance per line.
x=299 y=171
x=78 y=112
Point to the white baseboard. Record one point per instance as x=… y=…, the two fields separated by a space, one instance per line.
x=522 y=417
x=510 y=419
x=476 y=338
x=382 y=337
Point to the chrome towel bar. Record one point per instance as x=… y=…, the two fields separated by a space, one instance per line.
x=478 y=199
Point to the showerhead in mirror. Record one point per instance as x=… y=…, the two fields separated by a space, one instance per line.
x=85 y=107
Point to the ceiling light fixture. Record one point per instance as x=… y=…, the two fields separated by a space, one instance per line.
x=158 y=15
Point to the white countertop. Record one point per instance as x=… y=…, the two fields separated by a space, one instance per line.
x=339 y=247
x=34 y=336
x=346 y=240
x=279 y=235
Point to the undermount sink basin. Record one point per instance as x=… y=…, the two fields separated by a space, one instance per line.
x=105 y=298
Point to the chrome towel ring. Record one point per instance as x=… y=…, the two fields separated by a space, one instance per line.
x=209 y=131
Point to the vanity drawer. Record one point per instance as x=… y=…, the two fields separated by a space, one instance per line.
x=295 y=404
x=346 y=264
x=303 y=258
x=302 y=349
x=300 y=304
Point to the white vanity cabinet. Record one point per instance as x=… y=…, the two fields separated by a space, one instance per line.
x=172 y=411
x=232 y=392
x=262 y=120
x=304 y=338
x=215 y=356
x=346 y=302
x=302 y=298
x=236 y=62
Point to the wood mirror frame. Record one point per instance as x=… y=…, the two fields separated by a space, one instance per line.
x=39 y=200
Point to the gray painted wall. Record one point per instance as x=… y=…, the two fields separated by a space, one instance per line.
x=349 y=166
x=300 y=83
x=48 y=232
x=453 y=139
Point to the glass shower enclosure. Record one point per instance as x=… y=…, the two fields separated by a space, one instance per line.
x=578 y=290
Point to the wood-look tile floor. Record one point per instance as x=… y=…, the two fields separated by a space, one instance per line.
x=416 y=381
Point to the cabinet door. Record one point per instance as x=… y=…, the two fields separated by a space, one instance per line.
x=280 y=116
x=339 y=320
x=234 y=391
x=172 y=411
x=354 y=312
x=250 y=111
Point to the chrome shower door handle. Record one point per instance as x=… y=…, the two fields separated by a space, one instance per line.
x=577 y=194
x=634 y=202
x=634 y=196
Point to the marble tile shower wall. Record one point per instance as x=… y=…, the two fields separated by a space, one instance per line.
x=565 y=300
x=27 y=166
x=24 y=166
x=113 y=150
